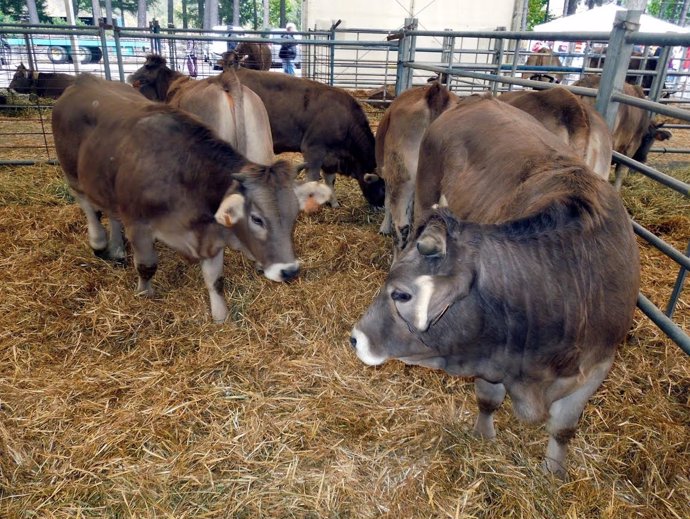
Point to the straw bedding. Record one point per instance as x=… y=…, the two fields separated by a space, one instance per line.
x=113 y=405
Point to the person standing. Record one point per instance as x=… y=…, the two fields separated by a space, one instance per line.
x=190 y=58
x=156 y=43
x=288 y=52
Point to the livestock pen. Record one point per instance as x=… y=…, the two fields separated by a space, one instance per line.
x=113 y=405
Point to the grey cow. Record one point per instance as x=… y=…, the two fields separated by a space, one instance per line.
x=529 y=286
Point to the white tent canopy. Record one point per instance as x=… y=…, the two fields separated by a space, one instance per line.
x=600 y=19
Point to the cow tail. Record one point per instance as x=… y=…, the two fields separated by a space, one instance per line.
x=231 y=84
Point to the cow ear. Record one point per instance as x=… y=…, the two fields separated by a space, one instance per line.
x=231 y=210
x=370 y=178
x=432 y=241
x=312 y=195
x=247 y=172
x=662 y=135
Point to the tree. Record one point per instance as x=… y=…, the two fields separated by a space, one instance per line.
x=537 y=13
x=673 y=11
x=16 y=10
x=141 y=13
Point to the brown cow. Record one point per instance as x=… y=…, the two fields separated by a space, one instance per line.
x=42 y=84
x=326 y=124
x=233 y=111
x=255 y=56
x=635 y=129
x=397 y=148
x=576 y=122
x=544 y=57
x=165 y=176
x=528 y=286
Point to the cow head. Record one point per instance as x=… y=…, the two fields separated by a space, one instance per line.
x=654 y=133
x=410 y=319
x=22 y=80
x=373 y=188
x=261 y=208
x=230 y=60
x=153 y=78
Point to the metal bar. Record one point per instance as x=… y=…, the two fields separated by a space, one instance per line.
x=104 y=51
x=678 y=286
x=118 y=53
x=660 y=244
x=671 y=329
x=675 y=184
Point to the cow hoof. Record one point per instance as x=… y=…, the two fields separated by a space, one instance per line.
x=102 y=254
x=552 y=467
x=147 y=292
x=119 y=262
x=333 y=203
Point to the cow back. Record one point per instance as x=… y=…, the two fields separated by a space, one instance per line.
x=235 y=113
x=631 y=123
x=257 y=56
x=464 y=140
x=566 y=115
x=43 y=84
x=305 y=113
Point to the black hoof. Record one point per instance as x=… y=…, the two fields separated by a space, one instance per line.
x=102 y=253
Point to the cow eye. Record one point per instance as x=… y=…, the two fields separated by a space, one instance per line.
x=257 y=220
x=400 y=296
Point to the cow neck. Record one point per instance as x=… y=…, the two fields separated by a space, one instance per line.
x=164 y=81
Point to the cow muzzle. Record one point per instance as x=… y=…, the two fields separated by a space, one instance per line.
x=282 y=271
x=360 y=342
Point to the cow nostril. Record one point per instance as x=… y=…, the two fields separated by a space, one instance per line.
x=353 y=342
x=289 y=273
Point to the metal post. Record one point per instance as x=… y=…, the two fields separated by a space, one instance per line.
x=104 y=50
x=30 y=51
x=331 y=37
x=73 y=39
x=678 y=287
x=118 y=53
x=405 y=55
x=616 y=65
x=498 y=59
x=660 y=78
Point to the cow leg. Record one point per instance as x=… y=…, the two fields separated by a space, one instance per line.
x=563 y=417
x=145 y=257
x=314 y=160
x=489 y=398
x=212 y=270
x=97 y=236
x=387 y=223
x=620 y=172
x=330 y=182
x=402 y=212
x=116 y=244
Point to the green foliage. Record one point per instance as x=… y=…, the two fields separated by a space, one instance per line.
x=668 y=10
x=537 y=14
x=250 y=8
x=12 y=11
